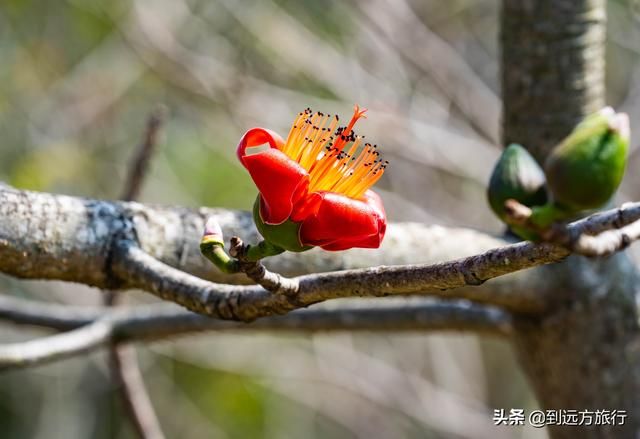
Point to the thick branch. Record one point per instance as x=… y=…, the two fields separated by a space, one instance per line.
x=43 y=254
x=68 y=238
x=138 y=270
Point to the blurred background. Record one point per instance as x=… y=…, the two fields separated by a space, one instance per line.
x=79 y=78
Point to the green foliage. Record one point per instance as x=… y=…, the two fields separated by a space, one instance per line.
x=234 y=402
x=206 y=172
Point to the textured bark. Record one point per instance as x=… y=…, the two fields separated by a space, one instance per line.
x=68 y=238
x=45 y=236
x=584 y=353
x=553 y=68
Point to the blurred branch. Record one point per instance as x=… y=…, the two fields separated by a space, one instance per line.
x=140 y=162
x=607 y=242
x=123 y=359
x=55 y=347
x=162 y=320
x=477 y=103
x=95 y=327
x=126 y=370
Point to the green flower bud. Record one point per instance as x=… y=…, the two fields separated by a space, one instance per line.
x=283 y=235
x=516 y=176
x=585 y=169
x=212 y=247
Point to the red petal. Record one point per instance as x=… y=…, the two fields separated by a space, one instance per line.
x=341 y=222
x=307 y=205
x=257 y=137
x=281 y=182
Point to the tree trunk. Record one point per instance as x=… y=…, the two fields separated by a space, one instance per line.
x=583 y=354
x=553 y=68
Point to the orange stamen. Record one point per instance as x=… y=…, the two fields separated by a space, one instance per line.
x=332 y=155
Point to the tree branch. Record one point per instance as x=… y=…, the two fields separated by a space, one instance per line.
x=92 y=327
x=140 y=162
x=137 y=269
x=69 y=238
x=248 y=303
x=55 y=347
x=123 y=359
x=582 y=241
x=126 y=371
x=607 y=242
x=116 y=252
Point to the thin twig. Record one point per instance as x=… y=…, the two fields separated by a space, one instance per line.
x=55 y=347
x=137 y=269
x=122 y=358
x=257 y=272
x=140 y=163
x=608 y=242
x=124 y=364
x=596 y=238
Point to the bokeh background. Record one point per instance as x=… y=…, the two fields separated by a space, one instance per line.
x=78 y=79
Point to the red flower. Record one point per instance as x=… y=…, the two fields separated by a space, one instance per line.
x=318 y=178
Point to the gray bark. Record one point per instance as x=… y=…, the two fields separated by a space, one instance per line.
x=553 y=68
x=584 y=352
x=68 y=238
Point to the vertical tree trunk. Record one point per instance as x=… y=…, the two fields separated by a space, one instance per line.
x=585 y=353
x=553 y=68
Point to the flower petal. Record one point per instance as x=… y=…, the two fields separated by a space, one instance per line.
x=341 y=222
x=306 y=205
x=257 y=137
x=281 y=182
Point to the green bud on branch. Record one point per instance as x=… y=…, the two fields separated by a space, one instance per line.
x=585 y=169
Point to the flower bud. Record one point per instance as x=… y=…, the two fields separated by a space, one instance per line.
x=516 y=176
x=212 y=247
x=213 y=232
x=586 y=168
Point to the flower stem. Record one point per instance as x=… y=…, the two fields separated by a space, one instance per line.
x=262 y=250
x=213 y=249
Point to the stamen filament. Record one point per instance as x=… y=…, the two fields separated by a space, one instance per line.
x=332 y=155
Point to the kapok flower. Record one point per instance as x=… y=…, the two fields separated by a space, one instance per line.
x=314 y=187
